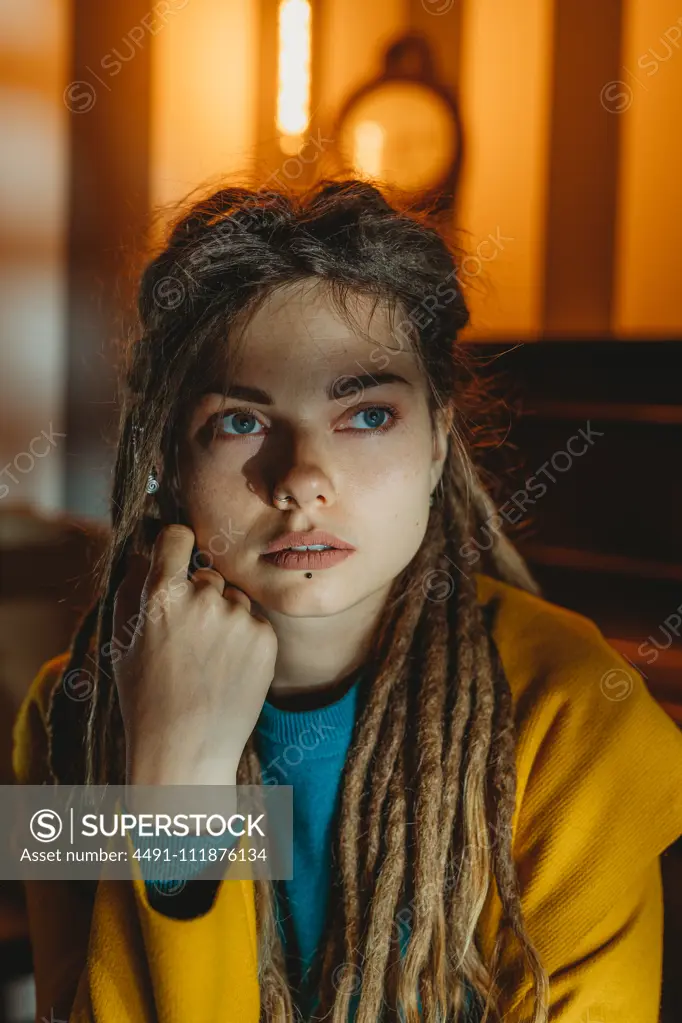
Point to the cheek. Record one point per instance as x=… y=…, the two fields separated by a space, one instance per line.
x=215 y=503
x=404 y=477
x=396 y=510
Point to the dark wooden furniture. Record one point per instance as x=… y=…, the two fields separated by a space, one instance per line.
x=605 y=538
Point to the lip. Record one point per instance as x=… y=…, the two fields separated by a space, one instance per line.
x=308 y=559
x=300 y=539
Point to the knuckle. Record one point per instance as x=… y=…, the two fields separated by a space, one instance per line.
x=206 y=594
x=156 y=586
x=237 y=613
x=234 y=600
x=173 y=529
x=266 y=638
x=207 y=574
x=158 y=604
x=264 y=628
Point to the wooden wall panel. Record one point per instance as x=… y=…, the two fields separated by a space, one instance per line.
x=109 y=205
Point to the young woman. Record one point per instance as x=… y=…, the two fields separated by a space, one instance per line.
x=482 y=786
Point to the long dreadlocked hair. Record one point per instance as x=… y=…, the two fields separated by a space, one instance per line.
x=429 y=784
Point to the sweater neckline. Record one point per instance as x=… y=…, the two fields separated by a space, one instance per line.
x=321 y=728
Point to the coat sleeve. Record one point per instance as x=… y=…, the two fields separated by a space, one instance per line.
x=599 y=799
x=110 y=956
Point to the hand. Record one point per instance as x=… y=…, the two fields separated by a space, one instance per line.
x=193 y=679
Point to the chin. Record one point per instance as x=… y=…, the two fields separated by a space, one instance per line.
x=307 y=598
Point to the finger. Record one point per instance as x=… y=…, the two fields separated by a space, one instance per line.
x=127 y=600
x=259 y=616
x=249 y=603
x=171 y=554
x=258 y=612
x=209 y=577
x=236 y=595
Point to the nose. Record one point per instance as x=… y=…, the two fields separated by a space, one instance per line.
x=298 y=474
x=304 y=486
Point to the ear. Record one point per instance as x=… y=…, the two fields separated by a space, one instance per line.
x=441 y=436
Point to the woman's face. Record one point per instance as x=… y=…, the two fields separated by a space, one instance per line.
x=359 y=462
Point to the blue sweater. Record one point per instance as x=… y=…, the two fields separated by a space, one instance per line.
x=307 y=749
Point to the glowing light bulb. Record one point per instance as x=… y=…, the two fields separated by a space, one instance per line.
x=294 y=72
x=368 y=148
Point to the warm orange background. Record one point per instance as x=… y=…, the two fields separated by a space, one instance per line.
x=204 y=124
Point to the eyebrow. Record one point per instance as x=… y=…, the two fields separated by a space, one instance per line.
x=334 y=389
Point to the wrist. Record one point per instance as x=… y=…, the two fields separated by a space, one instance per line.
x=139 y=772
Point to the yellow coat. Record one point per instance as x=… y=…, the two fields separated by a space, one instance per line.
x=599 y=798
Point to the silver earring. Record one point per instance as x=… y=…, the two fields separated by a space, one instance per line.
x=279 y=500
x=152 y=483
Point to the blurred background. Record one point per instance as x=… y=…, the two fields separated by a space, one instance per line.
x=549 y=131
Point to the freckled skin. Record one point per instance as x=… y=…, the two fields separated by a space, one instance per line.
x=368 y=487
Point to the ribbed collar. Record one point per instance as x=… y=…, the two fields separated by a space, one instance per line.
x=322 y=728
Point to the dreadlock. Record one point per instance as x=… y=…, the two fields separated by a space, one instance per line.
x=428 y=790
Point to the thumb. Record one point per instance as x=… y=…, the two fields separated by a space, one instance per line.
x=127 y=600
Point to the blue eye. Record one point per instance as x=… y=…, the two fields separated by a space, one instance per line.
x=244 y=423
x=373 y=416
x=242 y=426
